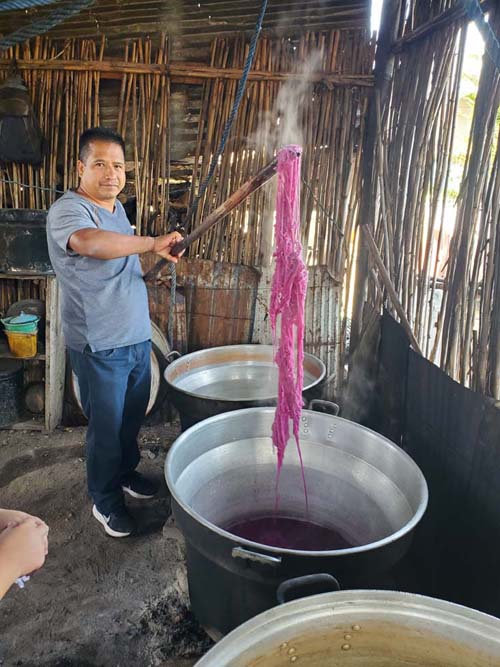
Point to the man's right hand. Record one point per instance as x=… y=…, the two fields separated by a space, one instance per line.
x=164 y=244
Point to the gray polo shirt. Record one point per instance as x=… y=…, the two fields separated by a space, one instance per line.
x=104 y=301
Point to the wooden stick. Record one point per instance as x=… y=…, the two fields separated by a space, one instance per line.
x=372 y=247
x=236 y=198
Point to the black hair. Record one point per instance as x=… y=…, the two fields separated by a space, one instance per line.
x=98 y=134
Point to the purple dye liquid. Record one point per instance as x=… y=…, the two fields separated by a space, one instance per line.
x=286 y=533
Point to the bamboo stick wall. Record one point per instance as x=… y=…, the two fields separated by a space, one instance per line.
x=327 y=119
x=469 y=321
x=67 y=101
x=143 y=119
x=411 y=164
x=412 y=161
x=69 y=98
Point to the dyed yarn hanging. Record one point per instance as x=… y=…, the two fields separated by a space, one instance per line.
x=288 y=293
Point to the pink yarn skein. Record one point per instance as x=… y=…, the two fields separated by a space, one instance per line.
x=288 y=294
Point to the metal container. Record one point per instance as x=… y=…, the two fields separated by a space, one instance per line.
x=221 y=379
x=23 y=242
x=224 y=470
x=160 y=355
x=362 y=629
x=33 y=307
x=22 y=323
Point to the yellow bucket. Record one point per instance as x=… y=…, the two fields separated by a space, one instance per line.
x=22 y=345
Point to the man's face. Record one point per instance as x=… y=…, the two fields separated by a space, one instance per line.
x=102 y=174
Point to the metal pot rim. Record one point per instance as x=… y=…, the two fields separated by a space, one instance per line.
x=408 y=527
x=355 y=604
x=200 y=353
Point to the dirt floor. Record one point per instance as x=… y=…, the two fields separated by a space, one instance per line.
x=98 y=601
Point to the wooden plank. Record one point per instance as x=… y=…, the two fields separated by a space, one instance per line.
x=9 y=355
x=185 y=72
x=34 y=424
x=220 y=299
x=24 y=276
x=56 y=357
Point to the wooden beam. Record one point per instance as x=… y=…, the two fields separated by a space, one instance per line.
x=204 y=71
x=456 y=13
x=184 y=72
x=386 y=279
x=384 y=68
x=101 y=66
x=55 y=367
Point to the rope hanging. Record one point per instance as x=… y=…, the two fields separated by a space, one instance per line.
x=227 y=129
x=45 y=24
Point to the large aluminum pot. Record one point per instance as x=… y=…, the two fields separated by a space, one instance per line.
x=220 y=379
x=362 y=629
x=160 y=356
x=224 y=469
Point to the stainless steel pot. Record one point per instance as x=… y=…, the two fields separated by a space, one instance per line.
x=224 y=470
x=232 y=377
x=362 y=629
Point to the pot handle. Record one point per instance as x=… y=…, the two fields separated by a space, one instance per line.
x=264 y=559
x=301 y=587
x=172 y=356
x=329 y=407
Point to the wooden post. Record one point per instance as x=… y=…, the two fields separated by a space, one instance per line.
x=384 y=65
x=55 y=357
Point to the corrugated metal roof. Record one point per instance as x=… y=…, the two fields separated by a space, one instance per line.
x=193 y=24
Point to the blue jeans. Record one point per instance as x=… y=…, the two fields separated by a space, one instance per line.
x=114 y=387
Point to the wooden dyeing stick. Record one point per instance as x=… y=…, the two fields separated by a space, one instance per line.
x=256 y=182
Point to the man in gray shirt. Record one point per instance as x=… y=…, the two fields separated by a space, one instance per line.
x=106 y=322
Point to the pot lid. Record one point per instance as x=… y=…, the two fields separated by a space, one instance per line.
x=22 y=318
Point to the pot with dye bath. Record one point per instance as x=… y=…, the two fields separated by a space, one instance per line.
x=221 y=379
x=222 y=472
x=362 y=629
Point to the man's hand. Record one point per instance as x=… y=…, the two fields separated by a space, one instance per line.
x=23 y=546
x=163 y=245
x=101 y=244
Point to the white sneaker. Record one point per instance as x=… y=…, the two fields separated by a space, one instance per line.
x=116 y=524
